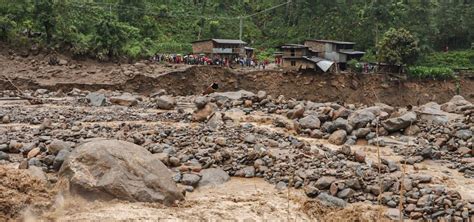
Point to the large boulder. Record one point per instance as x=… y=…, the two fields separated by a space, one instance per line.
x=165 y=102
x=432 y=113
x=213 y=176
x=360 y=118
x=401 y=122
x=117 y=169
x=310 y=122
x=456 y=104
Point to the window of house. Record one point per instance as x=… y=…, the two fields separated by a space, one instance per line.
x=293 y=52
x=293 y=63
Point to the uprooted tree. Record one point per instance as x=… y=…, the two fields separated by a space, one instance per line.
x=398 y=47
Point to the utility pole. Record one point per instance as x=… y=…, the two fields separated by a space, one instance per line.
x=241 y=27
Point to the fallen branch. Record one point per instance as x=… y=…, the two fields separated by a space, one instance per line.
x=32 y=100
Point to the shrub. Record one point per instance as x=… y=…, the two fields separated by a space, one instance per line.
x=452 y=59
x=436 y=73
x=355 y=66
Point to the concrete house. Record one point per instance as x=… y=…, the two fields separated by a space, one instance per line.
x=223 y=48
x=301 y=57
x=337 y=51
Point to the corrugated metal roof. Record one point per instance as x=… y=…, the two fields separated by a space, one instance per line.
x=332 y=41
x=223 y=41
x=323 y=64
x=289 y=46
x=351 y=52
x=229 y=41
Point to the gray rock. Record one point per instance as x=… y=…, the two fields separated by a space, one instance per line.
x=412 y=130
x=281 y=185
x=341 y=123
x=311 y=191
x=248 y=172
x=261 y=95
x=425 y=200
x=238 y=95
x=4 y=147
x=310 y=122
x=117 y=169
x=59 y=159
x=215 y=121
x=324 y=182
x=96 y=99
x=165 y=102
x=190 y=179
x=57 y=145
x=201 y=101
x=432 y=113
x=361 y=132
x=250 y=138
x=393 y=213
x=37 y=173
x=398 y=123
x=35 y=162
x=360 y=118
x=4 y=156
x=345 y=193
x=464 y=134
x=331 y=201
x=213 y=176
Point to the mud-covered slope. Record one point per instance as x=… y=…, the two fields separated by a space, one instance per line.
x=34 y=73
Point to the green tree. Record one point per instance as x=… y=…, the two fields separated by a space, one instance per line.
x=45 y=15
x=398 y=47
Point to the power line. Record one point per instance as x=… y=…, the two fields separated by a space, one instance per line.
x=268 y=9
x=148 y=12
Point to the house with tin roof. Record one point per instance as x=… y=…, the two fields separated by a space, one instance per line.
x=223 y=48
x=339 y=52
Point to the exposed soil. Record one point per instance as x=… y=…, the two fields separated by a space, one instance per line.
x=34 y=73
x=246 y=199
x=19 y=191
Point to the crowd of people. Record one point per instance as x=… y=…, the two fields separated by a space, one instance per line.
x=191 y=59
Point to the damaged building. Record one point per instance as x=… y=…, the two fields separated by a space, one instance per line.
x=324 y=55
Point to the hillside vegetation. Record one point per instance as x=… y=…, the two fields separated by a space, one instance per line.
x=106 y=29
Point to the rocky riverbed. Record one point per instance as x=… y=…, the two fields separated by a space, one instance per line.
x=114 y=145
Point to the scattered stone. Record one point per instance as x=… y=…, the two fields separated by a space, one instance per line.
x=165 y=102
x=34 y=152
x=248 y=172
x=324 y=182
x=4 y=156
x=331 y=201
x=57 y=145
x=213 y=176
x=359 y=156
x=338 y=137
x=124 y=100
x=190 y=179
x=398 y=123
x=310 y=122
x=96 y=99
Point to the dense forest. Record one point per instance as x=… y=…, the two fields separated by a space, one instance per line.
x=136 y=28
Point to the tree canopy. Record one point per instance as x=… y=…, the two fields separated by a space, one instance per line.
x=398 y=47
x=133 y=28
